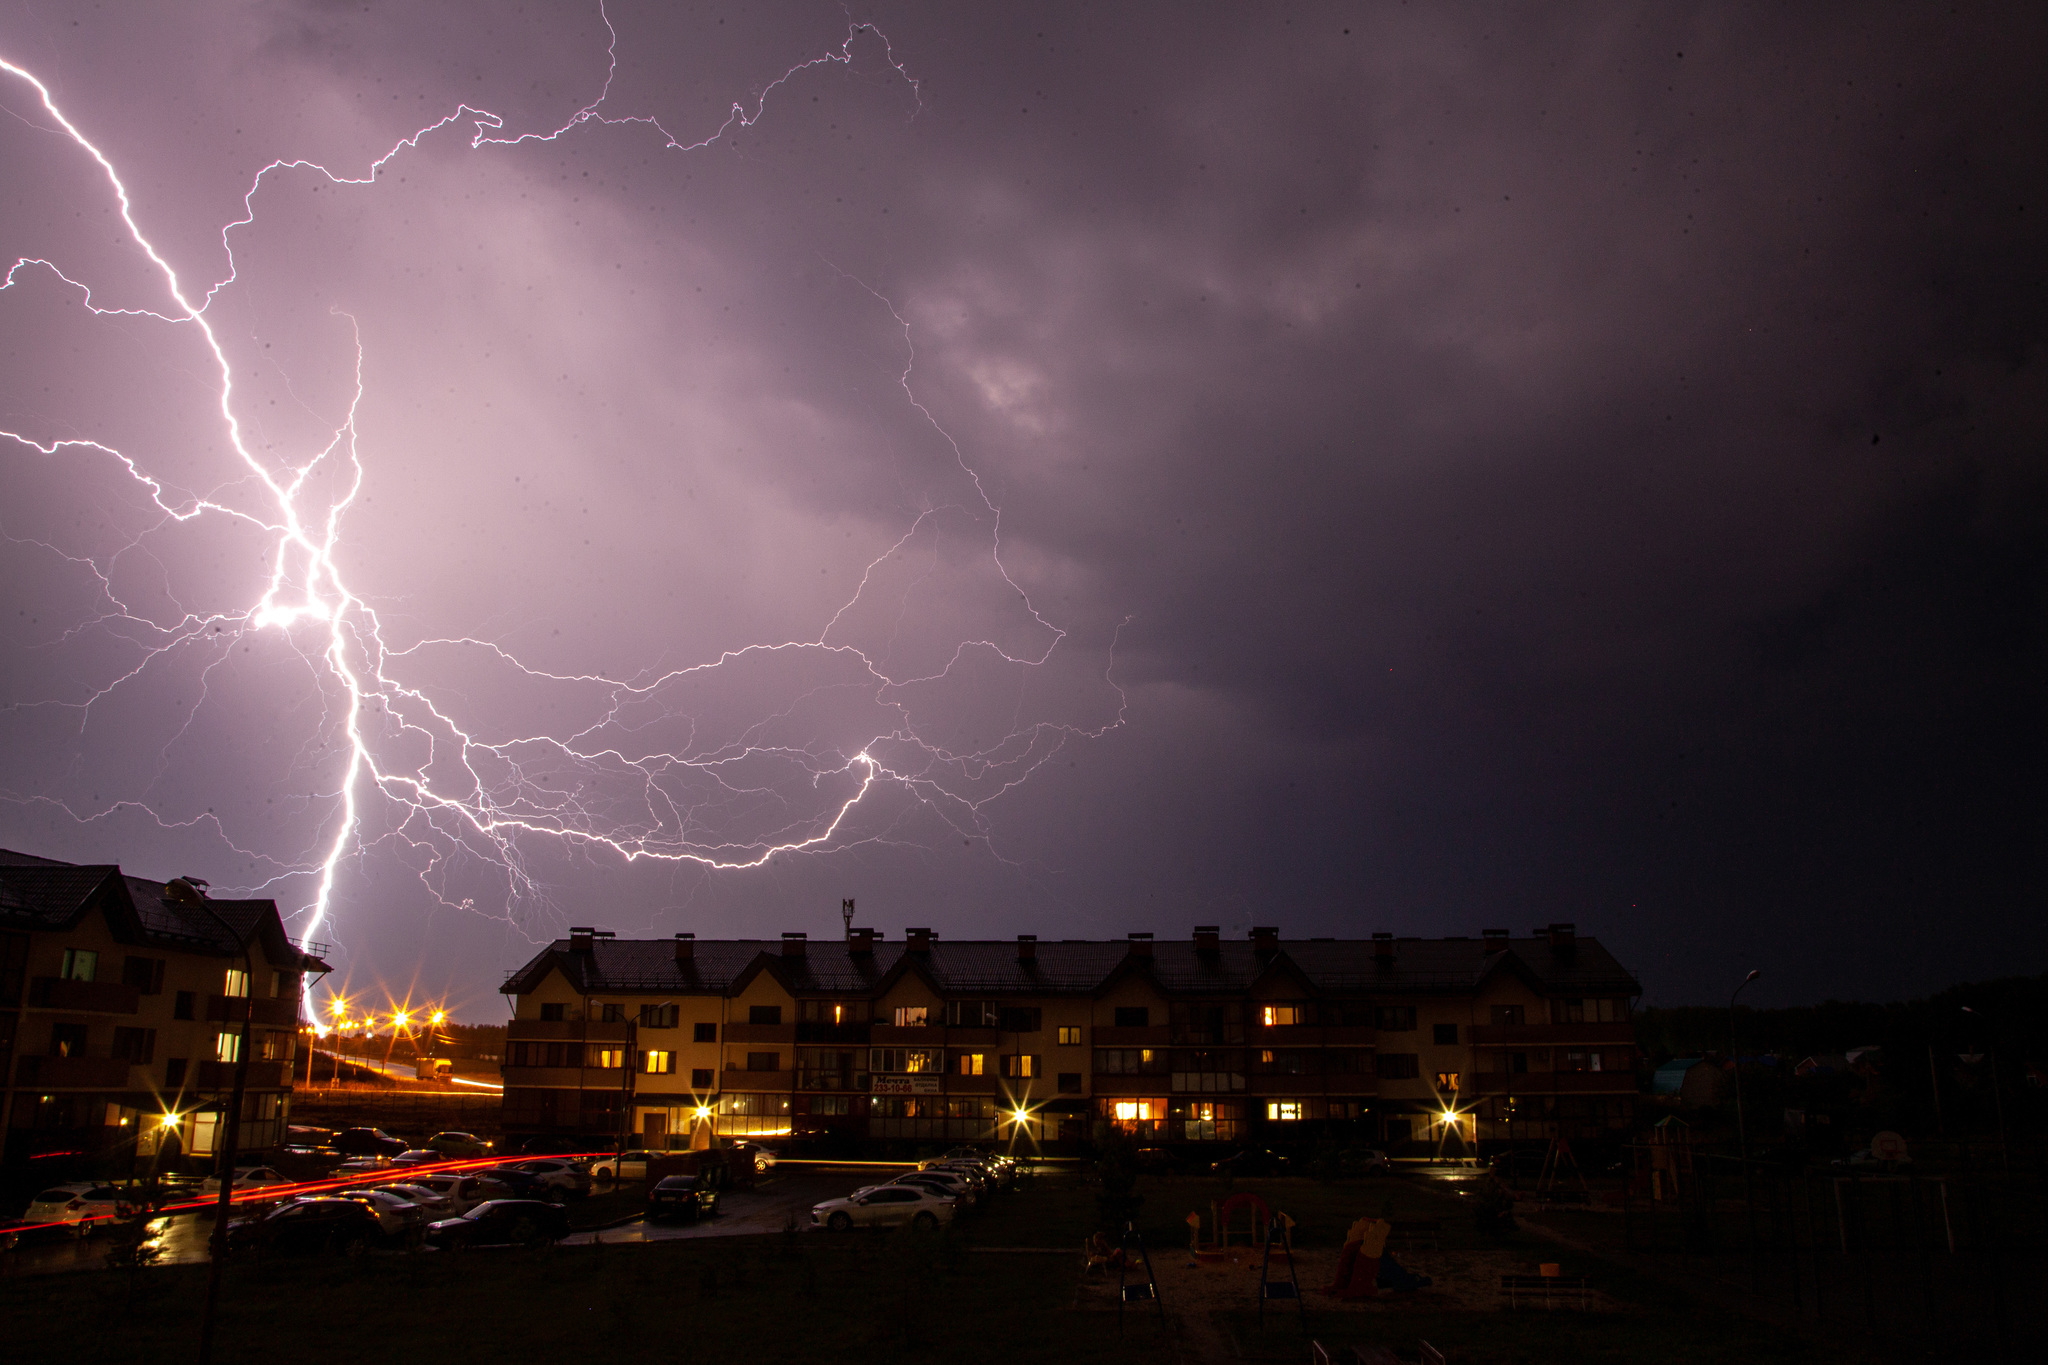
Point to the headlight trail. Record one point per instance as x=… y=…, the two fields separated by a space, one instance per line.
x=448 y=786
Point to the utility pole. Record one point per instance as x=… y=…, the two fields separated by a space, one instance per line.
x=846 y=914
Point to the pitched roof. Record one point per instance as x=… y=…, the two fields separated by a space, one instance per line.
x=42 y=893
x=1336 y=967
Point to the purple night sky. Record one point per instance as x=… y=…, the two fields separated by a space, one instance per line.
x=1057 y=469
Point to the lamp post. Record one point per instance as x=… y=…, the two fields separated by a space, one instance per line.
x=1735 y=1060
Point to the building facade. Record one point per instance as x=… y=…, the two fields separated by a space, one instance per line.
x=123 y=1009
x=1447 y=1043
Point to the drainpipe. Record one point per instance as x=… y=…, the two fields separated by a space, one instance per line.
x=224 y=1153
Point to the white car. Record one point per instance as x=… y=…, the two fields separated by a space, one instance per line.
x=625 y=1166
x=570 y=1177
x=81 y=1204
x=884 y=1206
x=248 y=1179
x=460 y=1193
x=433 y=1204
x=395 y=1215
x=945 y=1182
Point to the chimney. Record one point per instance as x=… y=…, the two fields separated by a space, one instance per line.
x=1141 y=945
x=793 y=944
x=1495 y=939
x=862 y=940
x=918 y=940
x=580 y=938
x=1027 y=947
x=1208 y=939
x=1265 y=939
x=1563 y=938
x=1383 y=949
x=686 y=947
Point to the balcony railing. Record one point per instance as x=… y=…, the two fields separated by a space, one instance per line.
x=72 y=1073
x=220 y=1076
x=1157 y=1036
x=565 y=1030
x=760 y=1033
x=99 y=997
x=1551 y=1083
x=276 y=1011
x=1549 y=1035
x=832 y=1080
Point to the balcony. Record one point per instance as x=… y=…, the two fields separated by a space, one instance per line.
x=888 y=1035
x=98 y=997
x=1551 y=1083
x=760 y=1033
x=1350 y=1035
x=1156 y=1036
x=1158 y=1085
x=815 y=1031
x=220 y=1076
x=980 y=1085
x=277 y=1011
x=1549 y=1035
x=965 y=1035
x=855 y=1081
x=72 y=1073
x=565 y=1077
x=565 y=1030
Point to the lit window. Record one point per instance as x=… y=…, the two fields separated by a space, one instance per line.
x=1284 y=1111
x=1132 y=1111
x=1070 y=1037
x=657 y=1063
x=1282 y=1016
x=80 y=964
x=1022 y=1067
x=611 y=1058
x=971 y=1063
x=1447 y=1081
x=237 y=984
x=911 y=1016
x=227 y=1047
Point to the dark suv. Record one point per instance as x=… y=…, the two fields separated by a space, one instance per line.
x=310 y=1225
x=683 y=1198
x=367 y=1142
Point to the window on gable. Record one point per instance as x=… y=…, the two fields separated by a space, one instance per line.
x=1133 y=1016
x=80 y=964
x=764 y=1014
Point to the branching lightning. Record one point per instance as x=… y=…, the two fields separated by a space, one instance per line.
x=476 y=793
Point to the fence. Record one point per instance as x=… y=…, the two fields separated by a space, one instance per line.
x=1949 y=1256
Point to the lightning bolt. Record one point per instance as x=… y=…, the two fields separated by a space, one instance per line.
x=448 y=786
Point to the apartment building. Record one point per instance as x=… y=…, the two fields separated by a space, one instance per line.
x=122 y=1011
x=1454 y=1041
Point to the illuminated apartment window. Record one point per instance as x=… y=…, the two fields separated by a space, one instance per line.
x=1021 y=1067
x=657 y=1063
x=1134 y=1111
x=911 y=1016
x=1284 y=1111
x=237 y=984
x=1070 y=1036
x=80 y=964
x=1447 y=1082
x=611 y=1058
x=905 y=1060
x=1283 y=1016
x=227 y=1047
x=971 y=1063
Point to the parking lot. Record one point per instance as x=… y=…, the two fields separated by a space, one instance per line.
x=782 y=1198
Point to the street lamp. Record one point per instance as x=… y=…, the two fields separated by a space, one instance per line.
x=1735 y=1059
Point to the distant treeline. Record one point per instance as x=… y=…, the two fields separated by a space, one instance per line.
x=2010 y=1019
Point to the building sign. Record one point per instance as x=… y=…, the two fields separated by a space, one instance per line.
x=906 y=1085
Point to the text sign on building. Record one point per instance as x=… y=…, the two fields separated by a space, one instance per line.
x=906 y=1085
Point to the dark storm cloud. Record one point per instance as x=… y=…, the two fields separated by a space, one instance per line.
x=1558 y=464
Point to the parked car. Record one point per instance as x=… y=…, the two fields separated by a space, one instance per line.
x=300 y=1138
x=945 y=1182
x=456 y=1145
x=363 y=1165
x=80 y=1204
x=509 y=1182
x=682 y=1199
x=432 y=1204
x=627 y=1165
x=884 y=1206
x=396 y=1215
x=367 y=1142
x=461 y=1193
x=499 y=1222
x=1251 y=1161
x=321 y=1224
x=570 y=1177
x=418 y=1156
x=247 y=1180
